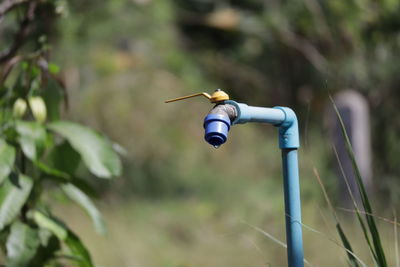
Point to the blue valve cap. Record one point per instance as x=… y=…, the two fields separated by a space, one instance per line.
x=216 y=129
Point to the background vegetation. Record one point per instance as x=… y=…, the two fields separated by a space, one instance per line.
x=179 y=201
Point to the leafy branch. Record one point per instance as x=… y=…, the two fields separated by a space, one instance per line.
x=40 y=153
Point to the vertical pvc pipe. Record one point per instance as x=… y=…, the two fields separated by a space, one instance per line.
x=292 y=208
x=289 y=142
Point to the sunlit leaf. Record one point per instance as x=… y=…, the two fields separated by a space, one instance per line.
x=13 y=195
x=32 y=138
x=22 y=244
x=7 y=158
x=54 y=226
x=95 y=150
x=66 y=235
x=119 y=149
x=86 y=203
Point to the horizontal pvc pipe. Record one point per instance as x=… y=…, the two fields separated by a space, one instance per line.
x=257 y=114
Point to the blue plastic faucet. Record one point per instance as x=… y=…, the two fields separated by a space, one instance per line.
x=217 y=125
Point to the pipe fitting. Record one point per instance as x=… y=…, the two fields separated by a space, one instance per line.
x=288 y=129
x=217 y=124
x=226 y=110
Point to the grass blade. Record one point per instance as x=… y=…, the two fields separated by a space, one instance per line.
x=378 y=249
x=346 y=244
x=328 y=201
x=349 y=251
x=275 y=240
x=335 y=242
x=375 y=216
x=396 y=244
x=357 y=210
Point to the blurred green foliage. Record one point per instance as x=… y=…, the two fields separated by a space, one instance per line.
x=128 y=56
x=41 y=156
x=121 y=59
x=178 y=197
x=296 y=52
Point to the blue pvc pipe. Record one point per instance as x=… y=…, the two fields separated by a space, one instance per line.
x=291 y=187
x=286 y=120
x=256 y=114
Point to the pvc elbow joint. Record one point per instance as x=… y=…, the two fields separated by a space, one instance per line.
x=217 y=124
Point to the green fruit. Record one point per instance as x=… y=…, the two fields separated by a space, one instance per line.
x=38 y=108
x=19 y=108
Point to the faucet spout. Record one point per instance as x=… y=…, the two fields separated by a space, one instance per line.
x=218 y=122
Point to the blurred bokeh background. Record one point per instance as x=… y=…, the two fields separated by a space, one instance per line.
x=180 y=202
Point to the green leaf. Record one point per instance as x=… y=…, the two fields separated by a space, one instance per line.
x=51 y=171
x=61 y=152
x=22 y=244
x=79 y=250
x=45 y=236
x=85 y=187
x=95 y=150
x=86 y=203
x=49 y=246
x=53 y=95
x=53 y=68
x=119 y=149
x=32 y=138
x=7 y=158
x=54 y=226
x=64 y=234
x=13 y=195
